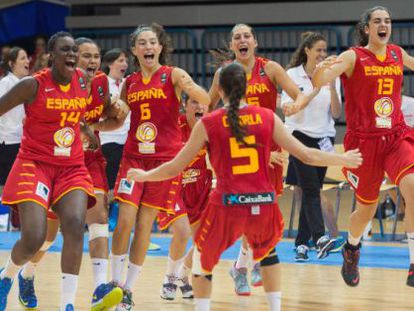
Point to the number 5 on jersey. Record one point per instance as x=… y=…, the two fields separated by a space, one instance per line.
x=238 y=151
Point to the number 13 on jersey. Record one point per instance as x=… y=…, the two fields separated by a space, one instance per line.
x=239 y=151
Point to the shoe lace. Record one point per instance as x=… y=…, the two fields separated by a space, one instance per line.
x=3 y=293
x=29 y=290
x=302 y=249
x=241 y=279
x=352 y=258
x=128 y=298
x=171 y=278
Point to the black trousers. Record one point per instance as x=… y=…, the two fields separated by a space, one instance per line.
x=8 y=154
x=113 y=154
x=310 y=180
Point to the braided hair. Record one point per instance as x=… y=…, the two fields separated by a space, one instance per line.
x=53 y=39
x=233 y=83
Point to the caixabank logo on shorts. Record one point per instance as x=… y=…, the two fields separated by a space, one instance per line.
x=249 y=198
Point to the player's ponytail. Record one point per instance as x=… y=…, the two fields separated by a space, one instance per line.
x=233 y=83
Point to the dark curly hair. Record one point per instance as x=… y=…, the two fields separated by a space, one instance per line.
x=163 y=38
x=361 y=36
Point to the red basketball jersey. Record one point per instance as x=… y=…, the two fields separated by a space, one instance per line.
x=260 y=89
x=96 y=99
x=198 y=166
x=242 y=172
x=51 y=132
x=154 y=131
x=95 y=107
x=373 y=92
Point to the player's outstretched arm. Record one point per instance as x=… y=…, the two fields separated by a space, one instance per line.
x=23 y=92
x=312 y=156
x=185 y=84
x=408 y=60
x=332 y=67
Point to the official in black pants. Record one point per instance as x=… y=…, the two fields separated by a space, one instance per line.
x=313 y=124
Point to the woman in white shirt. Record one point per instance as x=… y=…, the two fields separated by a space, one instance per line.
x=16 y=64
x=313 y=125
x=115 y=65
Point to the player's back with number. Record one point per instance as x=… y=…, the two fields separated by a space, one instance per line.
x=241 y=169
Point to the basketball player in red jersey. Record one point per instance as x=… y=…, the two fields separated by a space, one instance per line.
x=372 y=75
x=193 y=196
x=106 y=295
x=239 y=138
x=152 y=94
x=49 y=171
x=263 y=78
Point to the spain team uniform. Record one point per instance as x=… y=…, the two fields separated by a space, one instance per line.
x=154 y=137
x=262 y=92
x=244 y=201
x=195 y=186
x=94 y=159
x=375 y=123
x=50 y=162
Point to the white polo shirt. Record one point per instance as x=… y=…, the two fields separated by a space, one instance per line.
x=119 y=135
x=316 y=119
x=11 y=123
x=407 y=107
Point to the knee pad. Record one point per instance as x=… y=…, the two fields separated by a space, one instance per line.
x=98 y=231
x=196 y=269
x=271 y=259
x=46 y=245
x=209 y=277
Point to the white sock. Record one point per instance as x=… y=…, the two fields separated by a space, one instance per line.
x=353 y=241
x=132 y=275
x=68 y=290
x=29 y=270
x=117 y=267
x=172 y=268
x=202 y=304
x=243 y=259
x=10 y=270
x=411 y=246
x=100 y=270
x=184 y=271
x=274 y=299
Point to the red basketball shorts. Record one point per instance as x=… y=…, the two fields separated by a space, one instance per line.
x=192 y=200
x=96 y=165
x=45 y=184
x=221 y=226
x=159 y=195
x=392 y=153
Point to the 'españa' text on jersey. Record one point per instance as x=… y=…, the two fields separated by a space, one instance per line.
x=373 y=92
x=260 y=89
x=154 y=132
x=51 y=132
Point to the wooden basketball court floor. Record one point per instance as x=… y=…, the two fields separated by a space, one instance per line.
x=308 y=287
